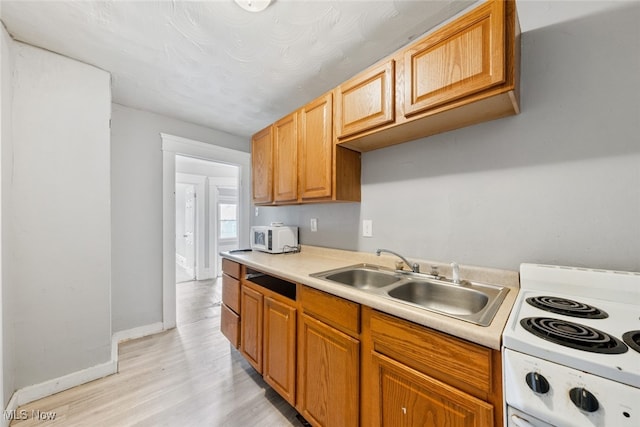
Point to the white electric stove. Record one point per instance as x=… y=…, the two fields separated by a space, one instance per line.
x=571 y=349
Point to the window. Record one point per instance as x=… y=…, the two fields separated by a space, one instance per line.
x=228 y=221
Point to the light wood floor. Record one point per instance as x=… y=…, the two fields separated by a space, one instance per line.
x=188 y=376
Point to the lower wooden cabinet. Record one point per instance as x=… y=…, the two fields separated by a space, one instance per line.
x=417 y=376
x=268 y=332
x=404 y=397
x=343 y=364
x=328 y=375
x=279 y=367
x=251 y=326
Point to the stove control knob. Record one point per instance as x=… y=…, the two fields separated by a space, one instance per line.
x=537 y=382
x=584 y=399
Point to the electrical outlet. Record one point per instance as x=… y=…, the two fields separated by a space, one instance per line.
x=314 y=224
x=367 y=228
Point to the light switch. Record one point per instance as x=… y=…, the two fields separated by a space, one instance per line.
x=314 y=224
x=257 y=212
x=367 y=228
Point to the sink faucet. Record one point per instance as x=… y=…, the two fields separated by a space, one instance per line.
x=414 y=266
x=455 y=273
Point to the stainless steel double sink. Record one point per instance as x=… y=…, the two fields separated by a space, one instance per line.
x=470 y=301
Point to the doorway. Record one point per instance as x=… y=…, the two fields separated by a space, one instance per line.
x=221 y=210
x=206 y=216
x=185 y=232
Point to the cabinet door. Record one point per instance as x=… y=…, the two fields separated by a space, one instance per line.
x=464 y=57
x=316 y=149
x=262 y=166
x=407 y=398
x=279 y=368
x=285 y=159
x=251 y=327
x=328 y=375
x=366 y=101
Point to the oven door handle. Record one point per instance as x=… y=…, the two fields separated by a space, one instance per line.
x=519 y=422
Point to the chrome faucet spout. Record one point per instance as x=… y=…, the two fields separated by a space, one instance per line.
x=415 y=267
x=455 y=273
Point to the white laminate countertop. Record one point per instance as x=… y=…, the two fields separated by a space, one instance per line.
x=297 y=267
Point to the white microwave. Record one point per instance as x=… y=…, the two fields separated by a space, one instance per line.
x=274 y=239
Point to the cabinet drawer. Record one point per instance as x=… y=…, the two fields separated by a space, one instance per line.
x=231 y=292
x=462 y=364
x=231 y=268
x=230 y=325
x=338 y=312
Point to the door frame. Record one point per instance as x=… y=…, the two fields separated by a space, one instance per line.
x=174 y=145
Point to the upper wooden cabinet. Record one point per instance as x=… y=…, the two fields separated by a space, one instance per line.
x=306 y=164
x=285 y=159
x=366 y=101
x=462 y=58
x=262 y=166
x=315 y=162
x=464 y=73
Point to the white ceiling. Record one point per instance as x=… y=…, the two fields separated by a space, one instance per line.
x=217 y=65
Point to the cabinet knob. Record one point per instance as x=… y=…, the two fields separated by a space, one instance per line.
x=404 y=410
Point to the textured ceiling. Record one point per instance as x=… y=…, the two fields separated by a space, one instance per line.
x=217 y=65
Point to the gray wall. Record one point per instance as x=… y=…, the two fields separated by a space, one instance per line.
x=559 y=183
x=136 y=201
x=7 y=377
x=57 y=201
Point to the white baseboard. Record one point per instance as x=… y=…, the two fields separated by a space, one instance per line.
x=204 y=274
x=131 y=334
x=38 y=391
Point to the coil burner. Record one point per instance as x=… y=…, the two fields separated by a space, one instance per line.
x=573 y=335
x=567 y=307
